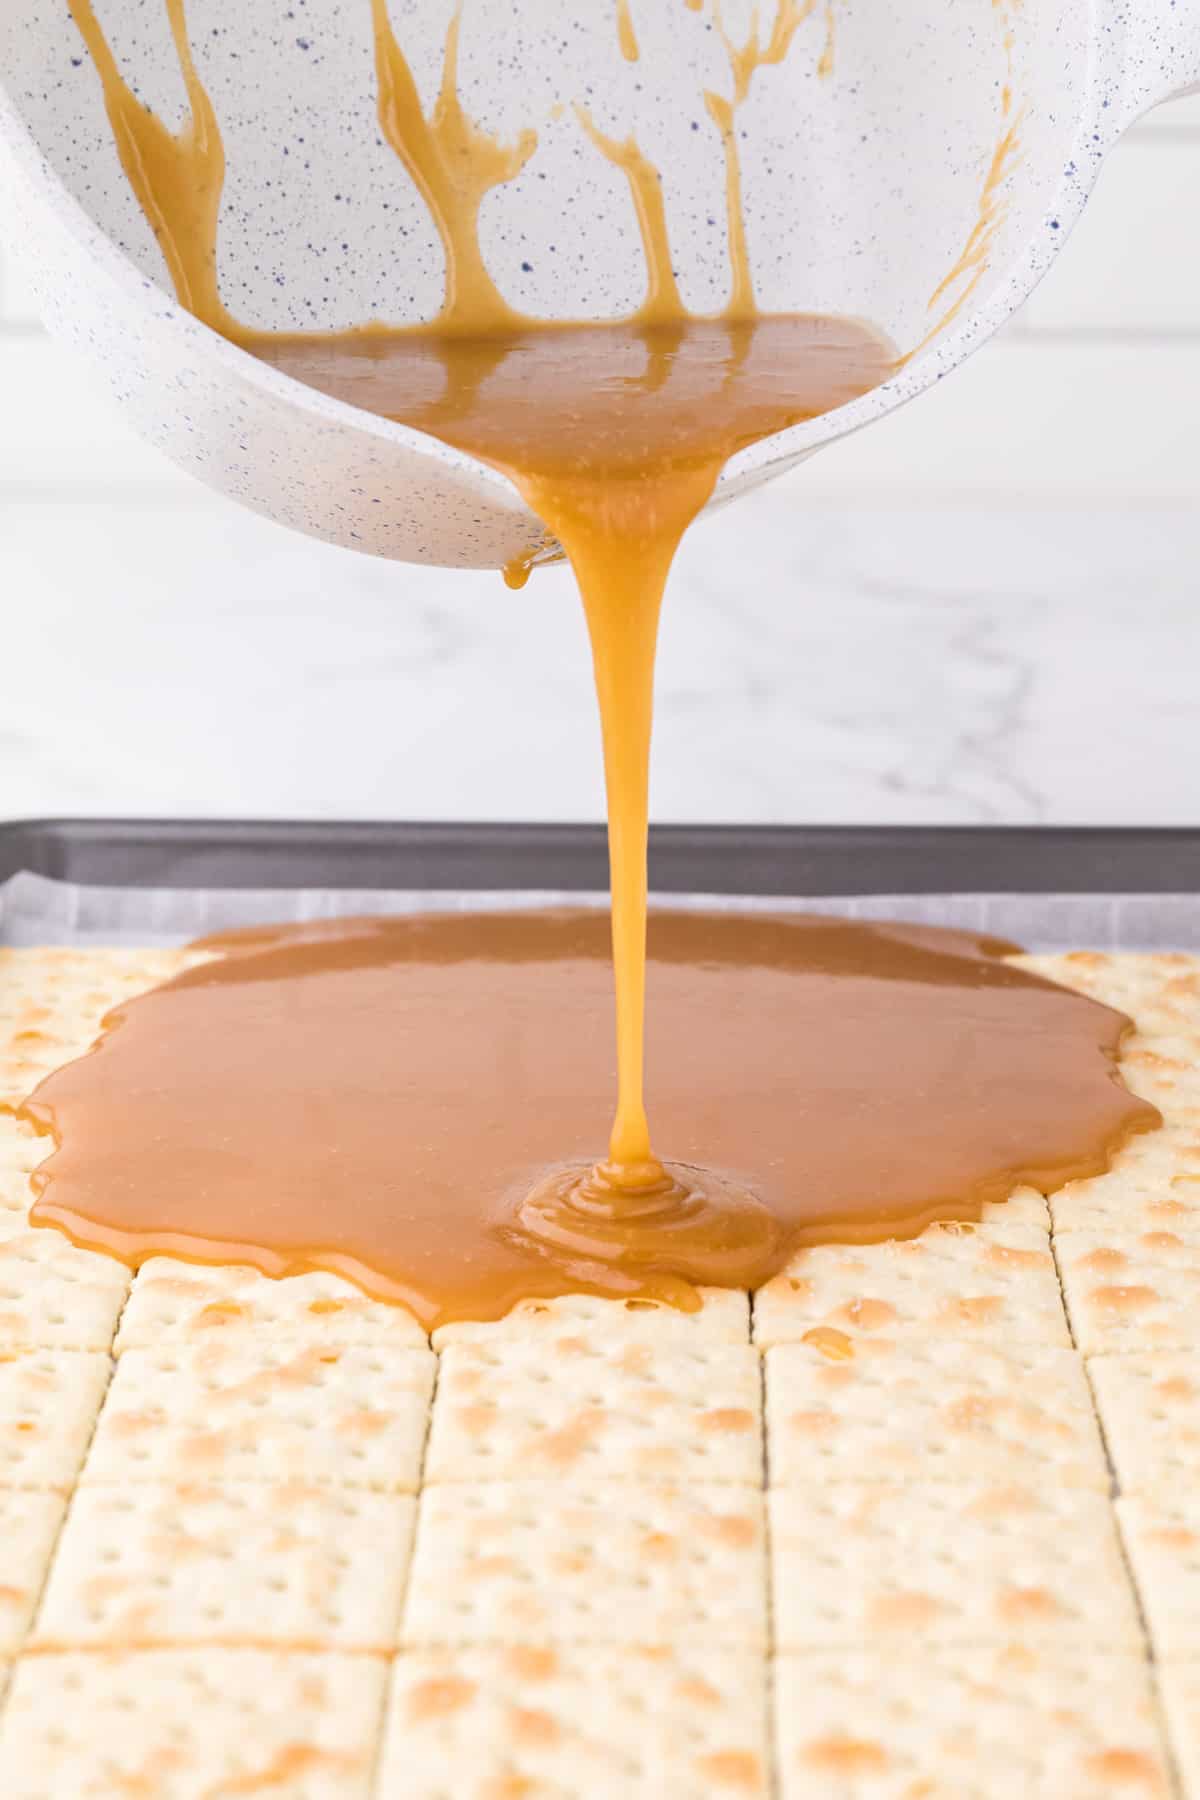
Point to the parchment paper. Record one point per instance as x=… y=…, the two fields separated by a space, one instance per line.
x=36 y=911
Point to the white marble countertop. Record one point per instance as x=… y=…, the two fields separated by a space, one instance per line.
x=877 y=663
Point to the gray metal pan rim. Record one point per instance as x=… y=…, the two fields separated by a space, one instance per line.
x=759 y=860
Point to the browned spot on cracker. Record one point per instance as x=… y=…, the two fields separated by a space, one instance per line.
x=1126 y=1767
x=813 y=1424
x=1027 y=1603
x=1124 y=1299
x=1172 y=1537
x=727 y=1418
x=532 y=1663
x=475 y=1420
x=732 y=1769
x=220 y=1312
x=894 y=1611
x=844 y=1755
x=574 y=1439
x=129 y=1424
x=973 y=1412
x=365 y=1422
x=1005 y=1257
x=312 y=1690
x=439 y=1696
x=531 y=1726
x=733 y=1528
x=508 y=1786
x=483 y=1566
x=288 y=1763
x=1104 y=1258
x=660 y=1545
x=836 y=1375
x=867 y=1314
x=694 y=1687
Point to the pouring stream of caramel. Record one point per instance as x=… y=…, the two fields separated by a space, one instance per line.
x=615 y=435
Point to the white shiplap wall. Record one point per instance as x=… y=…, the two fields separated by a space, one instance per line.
x=1091 y=391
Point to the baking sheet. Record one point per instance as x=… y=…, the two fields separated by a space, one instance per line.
x=36 y=910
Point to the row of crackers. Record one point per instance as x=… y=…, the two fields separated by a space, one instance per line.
x=592 y=1485
x=584 y=1623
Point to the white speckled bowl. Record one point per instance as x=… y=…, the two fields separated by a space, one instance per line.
x=862 y=191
